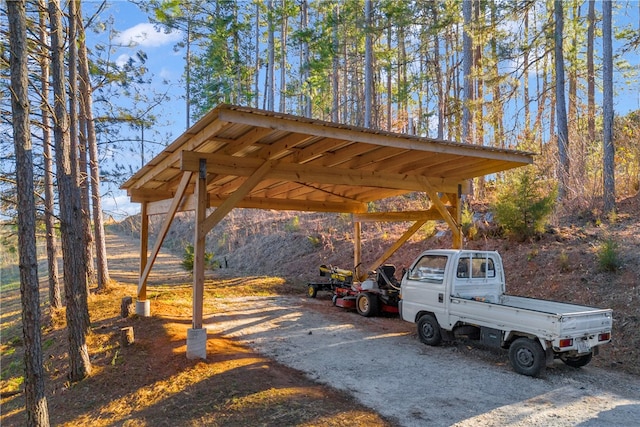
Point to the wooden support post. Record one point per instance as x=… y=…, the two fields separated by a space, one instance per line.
x=198 y=246
x=456 y=214
x=144 y=247
x=357 y=247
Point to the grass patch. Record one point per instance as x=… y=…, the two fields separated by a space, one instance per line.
x=9 y=284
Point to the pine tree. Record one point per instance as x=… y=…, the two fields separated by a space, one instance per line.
x=75 y=273
x=36 y=402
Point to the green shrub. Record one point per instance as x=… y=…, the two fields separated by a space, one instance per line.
x=187 y=259
x=315 y=240
x=522 y=207
x=609 y=256
x=293 y=225
x=466 y=221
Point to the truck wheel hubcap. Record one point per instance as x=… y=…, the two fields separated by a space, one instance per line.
x=427 y=330
x=525 y=357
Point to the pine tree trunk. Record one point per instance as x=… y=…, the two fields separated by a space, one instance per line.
x=389 y=83
x=76 y=149
x=496 y=102
x=257 y=59
x=608 y=170
x=87 y=111
x=36 y=401
x=75 y=273
x=305 y=63
x=438 y=73
x=55 y=297
x=561 y=109
x=525 y=80
x=368 y=65
x=335 y=77
x=467 y=63
x=283 y=58
x=271 y=55
x=591 y=75
x=187 y=72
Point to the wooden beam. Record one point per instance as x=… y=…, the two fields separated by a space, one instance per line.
x=162 y=207
x=186 y=177
x=344 y=154
x=282 y=146
x=431 y=214
x=220 y=212
x=316 y=150
x=374 y=159
x=406 y=236
x=245 y=166
x=247 y=140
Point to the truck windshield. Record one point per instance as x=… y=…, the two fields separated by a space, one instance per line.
x=429 y=268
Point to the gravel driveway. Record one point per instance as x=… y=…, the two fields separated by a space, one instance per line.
x=381 y=362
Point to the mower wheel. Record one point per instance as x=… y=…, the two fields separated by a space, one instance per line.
x=367 y=304
x=312 y=291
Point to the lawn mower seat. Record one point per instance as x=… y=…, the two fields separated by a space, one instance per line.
x=387 y=271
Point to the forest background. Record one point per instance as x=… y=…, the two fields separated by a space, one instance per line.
x=282 y=55
x=540 y=76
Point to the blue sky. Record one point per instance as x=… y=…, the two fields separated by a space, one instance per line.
x=166 y=65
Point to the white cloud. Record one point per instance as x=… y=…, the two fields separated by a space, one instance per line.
x=122 y=59
x=166 y=74
x=146 y=35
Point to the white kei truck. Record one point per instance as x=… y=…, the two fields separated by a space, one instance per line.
x=449 y=293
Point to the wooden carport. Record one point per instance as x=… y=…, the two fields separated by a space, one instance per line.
x=248 y=158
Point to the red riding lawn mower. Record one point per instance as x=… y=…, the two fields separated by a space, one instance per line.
x=377 y=294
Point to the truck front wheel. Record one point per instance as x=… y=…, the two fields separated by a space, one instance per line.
x=527 y=357
x=577 y=362
x=429 y=330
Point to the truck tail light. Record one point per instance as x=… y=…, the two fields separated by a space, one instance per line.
x=567 y=342
x=604 y=336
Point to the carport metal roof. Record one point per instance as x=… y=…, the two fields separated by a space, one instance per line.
x=244 y=157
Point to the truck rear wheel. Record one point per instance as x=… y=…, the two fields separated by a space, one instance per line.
x=429 y=330
x=367 y=304
x=527 y=357
x=578 y=361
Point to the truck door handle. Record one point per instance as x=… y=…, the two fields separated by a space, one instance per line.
x=440 y=298
x=455 y=301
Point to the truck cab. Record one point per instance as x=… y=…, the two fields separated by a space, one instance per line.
x=475 y=275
